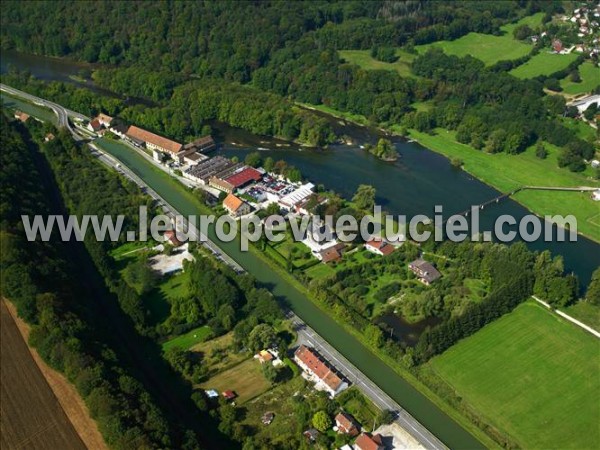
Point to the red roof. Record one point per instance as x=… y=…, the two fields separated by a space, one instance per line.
x=318 y=367
x=172 y=237
x=155 y=139
x=244 y=176
x=381 y=245
x=229 y=395
x=95 y=124
x=232 y=203
x=346 y=424
x=367 y=442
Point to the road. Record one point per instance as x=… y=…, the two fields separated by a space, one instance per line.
x=305 y=333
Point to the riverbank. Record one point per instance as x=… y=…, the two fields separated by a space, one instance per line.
x=506 y=172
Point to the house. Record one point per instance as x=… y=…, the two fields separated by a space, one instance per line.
x=379 y=246
x=424 y=271
x=171 y=237
x=243 y=177
x=229 y=395
x=94 y=125
x=595 y=163
x=104 y=120
x=311 y=434
x=318 y=238
x=596 y=195
x=316 y=369
x=118 y=128
x=346 y=424
x=221 y=185
x=201 y=145
x=331 y=254
x=235 y=206
x=267 y=418
x=20 y=115
x=211 y=393
x=49 y=137
x=153 y=141
x=264 y=356
x=194 y=158
x=368 y=441
x=557 y=45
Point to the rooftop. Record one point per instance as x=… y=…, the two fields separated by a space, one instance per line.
x=232 y=202
x=155 y=139
x=244 y=176
x=318 y=367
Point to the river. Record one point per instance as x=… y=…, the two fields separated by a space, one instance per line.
x=413 y=184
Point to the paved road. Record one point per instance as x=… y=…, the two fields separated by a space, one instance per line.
x=309 y=337
x=305 y=334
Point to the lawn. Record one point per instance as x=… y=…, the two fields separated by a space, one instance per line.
x=363 y=59
x=506 y=172
x=544 y=63
x=531 y=374
x=590 y=79
x=45 y=114
x=585 y=312
x=158 y=300
x=189 y=339
x=245 y=379
x=218 y=354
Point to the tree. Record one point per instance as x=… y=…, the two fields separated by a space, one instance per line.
x=140 y=276
x=385 y=417
x=591 y=111
x=269 y=164
x=522 y=32
x=270 y=372
x=540 y=150
x=253 y=159
x=321 y=421
x=592 y=294
x=574 y=76
x=261 y=337
x=373 y=335
x=364 y=198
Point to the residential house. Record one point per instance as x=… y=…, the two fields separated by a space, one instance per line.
x=229 y=395
x=118 y=128
x=333 y=253
x=368 y=441
x=557 y=45
x=379 y=246
x=235 y=206
x=104 y=120
x=20 y=115
x=317 y=370
x=264 y=356
x=94 y=125
x=424 y=271
x=171 y=237
x=346 y=424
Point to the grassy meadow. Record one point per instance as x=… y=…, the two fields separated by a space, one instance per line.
x=590 y=79
x=532 y=375
x=544 y=63
x=364 y=59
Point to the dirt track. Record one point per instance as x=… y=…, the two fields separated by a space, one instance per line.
x=36 y=400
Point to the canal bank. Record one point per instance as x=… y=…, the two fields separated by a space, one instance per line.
x=290 y=293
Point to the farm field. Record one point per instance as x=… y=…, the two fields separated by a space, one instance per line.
x=530 y=374
x=245 y=379
x=506 y=172
x=544 y=63
x=363 y=59
x=31 y=415
x=590 y=79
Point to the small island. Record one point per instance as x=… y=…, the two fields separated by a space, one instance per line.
x=384 y=150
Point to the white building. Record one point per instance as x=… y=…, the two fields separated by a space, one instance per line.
x=293 y=198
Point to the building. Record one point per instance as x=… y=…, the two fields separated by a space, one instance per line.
x=267 y=418
x=221 y=185
x=194 y=158
x=368 y=441
x=229 y=395
x=153 y=141
x=94 y=125
x=243 y=177
x=331 y=254
x=205 y=170
x=20 y=115
x=317 y=370
x=49 y=137
x=104 y=120
x=264 y=356
x=319 y=237
x=596 y=195
x=379 y=246
x=311 y=434
x=235 y=206
x=201 y=145
x=171 y=237
x=424 y=271
x=119 y=128
x=290 y=200
x=346 y=424
x=557 y=45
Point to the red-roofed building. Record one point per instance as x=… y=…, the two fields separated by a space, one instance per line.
x=20 y=115
x=171 y=237
x=153 y=141
x=316 y=369
x=243 y=177
x=379 y=247
x=229 y=395
x=235 y=206
x=94 y=125
x=366 y=441
x=346 y=425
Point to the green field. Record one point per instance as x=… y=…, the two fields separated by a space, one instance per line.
x=189 y=339
x=590 y=79
x=585 y=312
x=506 y=172
x=532 y=375
x=363 y=59
x=544 y=63
x=245 y=379
x=486 y=47
x=40 y=112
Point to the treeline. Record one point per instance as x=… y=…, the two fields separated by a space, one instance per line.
x=41 y=280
